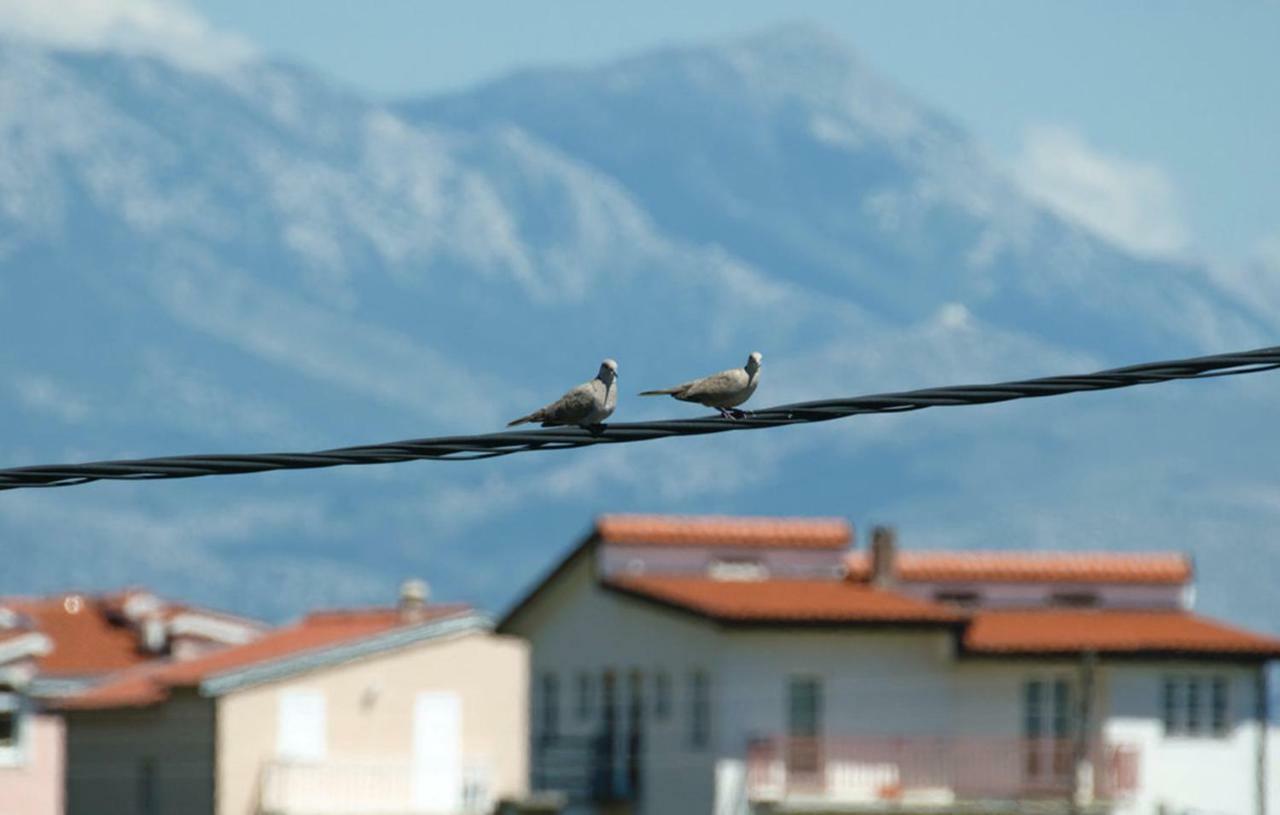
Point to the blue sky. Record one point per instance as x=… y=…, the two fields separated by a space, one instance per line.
x=1183 y=89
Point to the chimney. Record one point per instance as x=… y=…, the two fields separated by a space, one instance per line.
x=413 y=600
x=155 y=636
x=884 y=557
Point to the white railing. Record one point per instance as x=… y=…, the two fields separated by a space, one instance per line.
x=357 y=786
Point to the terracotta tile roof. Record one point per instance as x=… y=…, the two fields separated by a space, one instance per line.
x=89 y=634
x=317 y=631
x=1054 y=631
x=1151 y=568
x=84 y=638
x=784 y=601
x=715 y=530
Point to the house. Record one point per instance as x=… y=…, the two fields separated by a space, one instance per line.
x=58 y=645
x=413 y=708
x=733 y=665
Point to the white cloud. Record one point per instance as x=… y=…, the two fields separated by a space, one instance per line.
x=156 y=28
x=1135 y=204
x=47 y=396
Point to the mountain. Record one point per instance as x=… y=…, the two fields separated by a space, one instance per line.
x=256 y=259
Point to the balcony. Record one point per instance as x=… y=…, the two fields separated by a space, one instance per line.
x=367 y=787
x=936 y=770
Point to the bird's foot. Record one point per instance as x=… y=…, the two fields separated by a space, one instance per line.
x=731 y=413
x=595 y=429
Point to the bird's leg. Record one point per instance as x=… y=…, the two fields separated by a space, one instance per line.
x=737 y=414
x=725 y=413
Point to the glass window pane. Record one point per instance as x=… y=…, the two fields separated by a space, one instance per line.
x=700 y=715
x=804 y=708
x=1193 y=705
x=662 y=695
x=1220 y=709
x=584 y=695
x=1032 y=696
x=1061 y=709
x=1169 y=706
x=8 y=728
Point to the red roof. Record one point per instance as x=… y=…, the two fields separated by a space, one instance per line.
x=89 y=634
x=84 y=639
x=315 y=632
x=1152 y=568
x=784 y=601
x=715 y=530
x=1053 y=631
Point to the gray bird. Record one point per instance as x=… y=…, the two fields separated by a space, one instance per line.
x=723 y=391
x=586 y=405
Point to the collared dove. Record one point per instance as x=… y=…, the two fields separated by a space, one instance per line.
x=586 y=405
x=722 y=391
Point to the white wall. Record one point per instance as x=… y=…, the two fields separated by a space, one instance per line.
x=575 y=625
x=1187 y=773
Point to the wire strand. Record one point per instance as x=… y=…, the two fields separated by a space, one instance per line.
x=492 y=445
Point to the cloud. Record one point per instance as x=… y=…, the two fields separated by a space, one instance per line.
x=154 y=28
x=47 y=396
x=1135 y=204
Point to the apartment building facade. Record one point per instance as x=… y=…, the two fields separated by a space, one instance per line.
x=736 y=665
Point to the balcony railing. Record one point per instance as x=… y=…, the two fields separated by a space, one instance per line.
x=937 y=769
x=360 y=787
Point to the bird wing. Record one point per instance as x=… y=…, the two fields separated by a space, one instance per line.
x=716 y=385
x=573 y=407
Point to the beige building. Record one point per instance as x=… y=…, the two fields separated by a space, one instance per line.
x=418 y=709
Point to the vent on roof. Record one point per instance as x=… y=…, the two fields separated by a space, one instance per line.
x=413 y=599
x=737 y=569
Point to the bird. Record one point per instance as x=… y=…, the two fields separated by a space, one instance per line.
x=586 y=405
x=723 y=391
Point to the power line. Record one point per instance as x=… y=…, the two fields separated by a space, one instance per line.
x=490 y=445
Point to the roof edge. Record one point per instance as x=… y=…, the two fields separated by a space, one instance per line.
x=237 y=678
x=507 y=621
x=731 y=622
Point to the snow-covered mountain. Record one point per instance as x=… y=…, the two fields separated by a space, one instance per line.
x=255 y=259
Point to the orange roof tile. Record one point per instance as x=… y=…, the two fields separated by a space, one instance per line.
x=88 y=633
x=1052 y=631
x=317 y=631
x=784 y=601
x=714 y=530
x=84 y=640
x=1151 y=568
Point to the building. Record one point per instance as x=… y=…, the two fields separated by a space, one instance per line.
x=733 y=665
x=54 y=646
x=416 y=708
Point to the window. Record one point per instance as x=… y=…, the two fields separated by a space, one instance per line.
x=1049 y=719
x=301 y=725
x=1074 y=599
x=700 y=710
x=147 y=801
x=964 y=599
x=1195 y=705
x=1031 y=705
x=10 y=728
x=584 y=696
x=550 y=705
x=662 y=695
x=804 y=724
x=1218 y=710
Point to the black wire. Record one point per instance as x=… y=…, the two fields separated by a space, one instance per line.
x=491 y=445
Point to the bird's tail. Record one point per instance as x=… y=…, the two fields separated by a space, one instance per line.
x=661 y=392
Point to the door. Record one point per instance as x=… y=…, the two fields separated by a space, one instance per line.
x=437 y=752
